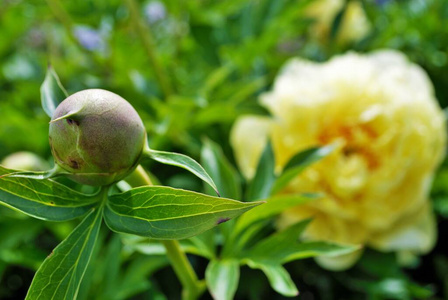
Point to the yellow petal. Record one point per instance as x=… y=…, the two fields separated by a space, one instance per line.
x=416 y=232
x=339 y=263
x=248 y=138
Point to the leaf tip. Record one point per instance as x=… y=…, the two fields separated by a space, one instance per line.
x=66 y=116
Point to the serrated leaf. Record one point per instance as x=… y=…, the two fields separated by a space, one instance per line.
x=51 y=92
x=61 y=273
x=182 y=161
x=167 y=213
x=261 y=185
x=43 y=198
x=220 y=170
x=278 y=277
x=222 y=278
x=298 y=163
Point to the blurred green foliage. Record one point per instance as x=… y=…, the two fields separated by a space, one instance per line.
x=191 y=70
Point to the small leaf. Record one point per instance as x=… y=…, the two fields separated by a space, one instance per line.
x=167 y=213
x=284 y=246
x=278 y=277
x=278 y=246
x=182 y=161
x=222 y=278
x=298 y=163
x=216 y=78
x=251 y=223
x=261 y=185
x=43 y=198
x=201 y=245
x=337 y=22
x=136 y=278
x=61 y=273
x=273 y=206
x=314 y=249
x=220 y=170
x=51 y=92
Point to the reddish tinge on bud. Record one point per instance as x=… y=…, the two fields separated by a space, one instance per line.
x=97 y=137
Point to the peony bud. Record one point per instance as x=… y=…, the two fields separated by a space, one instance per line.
x=97 y=137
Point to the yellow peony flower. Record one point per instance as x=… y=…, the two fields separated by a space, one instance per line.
x=380 y=112
x=354 y=23
x=24 y=160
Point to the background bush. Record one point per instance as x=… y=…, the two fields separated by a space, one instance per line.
x=213 y=59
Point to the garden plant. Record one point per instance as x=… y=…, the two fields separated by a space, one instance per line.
x=223 y=149
x=98 y=139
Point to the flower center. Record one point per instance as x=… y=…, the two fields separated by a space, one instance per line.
x=358 y=140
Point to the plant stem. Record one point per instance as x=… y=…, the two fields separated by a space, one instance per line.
x=148 y=43
x=139 y=177
x=192 y=286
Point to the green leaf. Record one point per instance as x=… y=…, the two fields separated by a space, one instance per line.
x=3 y=266
x=216 y=78
x=261 y=185
x=278 y=277
x=277 y=247
x=90 y=278
x=222 y=278
x=298 y=163
x=337 y=22
x=43 y=198
x=284 y=246
x=136 y=278
x=221 y=171
x=273 y=206
x=167 y=213
x=202 y=244
x=61 y=273
x=28 y=256
x=51 y=92
x=182 y=161
x=313 y=249
x=251 y=223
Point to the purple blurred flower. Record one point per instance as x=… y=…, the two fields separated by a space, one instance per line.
x=154 y=11
x=89 y=38
x=382 y=2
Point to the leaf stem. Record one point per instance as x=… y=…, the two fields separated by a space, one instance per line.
x=192 y=286
x=148 y=43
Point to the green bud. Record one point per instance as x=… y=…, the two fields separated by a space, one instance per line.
x=97 y=136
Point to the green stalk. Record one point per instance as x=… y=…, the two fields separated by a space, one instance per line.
x=148 y=43
x=192 y=286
